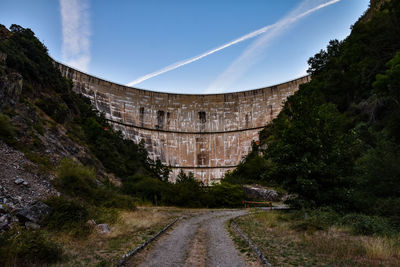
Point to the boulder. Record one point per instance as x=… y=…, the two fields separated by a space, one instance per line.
x=31 y=225
x=103 y=228
x=91 y=222
x=262 y=193
x=19 y=181
x=4 y=218
x=33 y=213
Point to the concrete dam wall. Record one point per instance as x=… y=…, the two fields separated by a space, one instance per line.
x=204 y=134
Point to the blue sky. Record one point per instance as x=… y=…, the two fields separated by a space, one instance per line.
x=124 y=40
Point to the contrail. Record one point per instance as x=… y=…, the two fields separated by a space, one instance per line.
x=238 y=40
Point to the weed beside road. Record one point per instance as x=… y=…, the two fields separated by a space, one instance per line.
x=132 y=229
x=287 y=240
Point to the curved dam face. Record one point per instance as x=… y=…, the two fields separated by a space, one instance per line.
x=204 y=134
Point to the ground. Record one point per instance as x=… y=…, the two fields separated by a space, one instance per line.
x=200 y=239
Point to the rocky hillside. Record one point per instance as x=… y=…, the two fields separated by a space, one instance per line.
x=42 y=122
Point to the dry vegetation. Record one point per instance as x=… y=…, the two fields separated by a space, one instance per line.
x=132 y=229
x=284 y=244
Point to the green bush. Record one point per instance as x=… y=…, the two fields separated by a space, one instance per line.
x=367 y=225
x=7 y=131
x=44 y=164
x=145 y=188
x=103 y=214
x=57 y=111
x=227 y=195
x=68 y=216
x=111 y=198
x=79 y=181
x=20 y=247
x=187 y=192
x=311 y=220
x=75 y=179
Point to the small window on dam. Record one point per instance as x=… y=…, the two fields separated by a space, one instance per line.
x=202 y=120
x=202 y=117
x=160 y=119
x=141 y=116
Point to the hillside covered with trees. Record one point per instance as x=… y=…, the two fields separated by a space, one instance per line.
x=336 y=142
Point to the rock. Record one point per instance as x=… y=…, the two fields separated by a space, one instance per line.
x=261 y=193
x=91 y=222
x=4 y=218
x=19 y=181
x=25 y=183
x=103 y=228
x=31 y=225
x=2 y=208
x=10 y=89
x=34 y=212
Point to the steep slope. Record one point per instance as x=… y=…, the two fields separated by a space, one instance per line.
x=42 y=122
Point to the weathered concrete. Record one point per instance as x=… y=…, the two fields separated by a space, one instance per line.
x=205 y=134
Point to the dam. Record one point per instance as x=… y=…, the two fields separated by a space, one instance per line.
x=204 y=134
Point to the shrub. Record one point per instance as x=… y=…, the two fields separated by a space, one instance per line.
x=79 y=181
x=146 y=188
x=57 y=111
x=20 y=247
x=104 y=215
x=111 y=198
x=68 y=216
x=7 y=131
x=312 y=220
x=367 y=225
x=44 y=164
x=75 y=179
x=227 y=195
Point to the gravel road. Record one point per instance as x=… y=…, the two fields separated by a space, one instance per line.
x=198 y=240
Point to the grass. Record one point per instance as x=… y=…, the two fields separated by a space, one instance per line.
x=20 y=247
x=131 y=229
x=45 y=166
x=284 y=243
x=241 y=244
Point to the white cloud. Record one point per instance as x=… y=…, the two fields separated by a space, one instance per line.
x=253 y=53
x=76 y=33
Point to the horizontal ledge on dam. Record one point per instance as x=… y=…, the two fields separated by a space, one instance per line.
x=202 y=167
x=179 y=132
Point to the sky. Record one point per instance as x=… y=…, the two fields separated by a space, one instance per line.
x=186 y=46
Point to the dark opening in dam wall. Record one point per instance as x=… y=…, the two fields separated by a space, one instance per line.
x=205 y=134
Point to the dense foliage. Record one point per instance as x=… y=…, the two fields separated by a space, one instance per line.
x=337 y=140
x=186 y=192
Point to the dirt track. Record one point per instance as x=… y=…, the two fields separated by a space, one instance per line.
x=199 y=240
